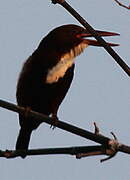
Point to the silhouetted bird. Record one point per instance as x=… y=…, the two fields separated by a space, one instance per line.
x=47 y=74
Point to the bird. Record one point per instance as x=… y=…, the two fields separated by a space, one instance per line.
x=47 y=74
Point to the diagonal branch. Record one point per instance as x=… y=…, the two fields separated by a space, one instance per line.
x=60 y=124
x=105 y=141
x=90 y=29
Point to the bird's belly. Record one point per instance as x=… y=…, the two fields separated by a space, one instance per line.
x=41 y=96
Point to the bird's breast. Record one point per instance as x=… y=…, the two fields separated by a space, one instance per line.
x=59 y=70
x=65 y=62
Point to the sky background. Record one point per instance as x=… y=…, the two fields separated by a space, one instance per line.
x=100 y=91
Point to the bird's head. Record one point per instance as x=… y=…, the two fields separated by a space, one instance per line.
x=67 y=37
x=65 y=43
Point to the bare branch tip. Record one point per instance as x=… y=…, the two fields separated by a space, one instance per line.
x=97 y=131
x=113 y=134
x=57 y=1
x=105 y=159
x=122 y=5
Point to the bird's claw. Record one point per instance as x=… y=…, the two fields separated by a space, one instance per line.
x=27 y=110
x=54 y=121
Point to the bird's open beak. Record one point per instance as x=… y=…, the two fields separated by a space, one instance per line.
x=91 y=42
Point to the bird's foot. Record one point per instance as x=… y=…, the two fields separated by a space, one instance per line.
x=54 y=121
x=27 y=110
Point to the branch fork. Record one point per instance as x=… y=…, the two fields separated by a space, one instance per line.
x=111 y=150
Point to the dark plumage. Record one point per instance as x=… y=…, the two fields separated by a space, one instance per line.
x=47 y=75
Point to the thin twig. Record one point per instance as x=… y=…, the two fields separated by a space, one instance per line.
x=90 y=29
x=122 y=5
x=97 y=130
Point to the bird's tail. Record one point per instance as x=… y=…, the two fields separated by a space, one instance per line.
x=23 y=139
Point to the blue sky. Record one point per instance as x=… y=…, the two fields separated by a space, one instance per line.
x=100 y=91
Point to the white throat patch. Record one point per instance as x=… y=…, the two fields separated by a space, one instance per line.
x=66 y=61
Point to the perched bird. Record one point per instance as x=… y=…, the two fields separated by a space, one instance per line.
x=47 y=74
